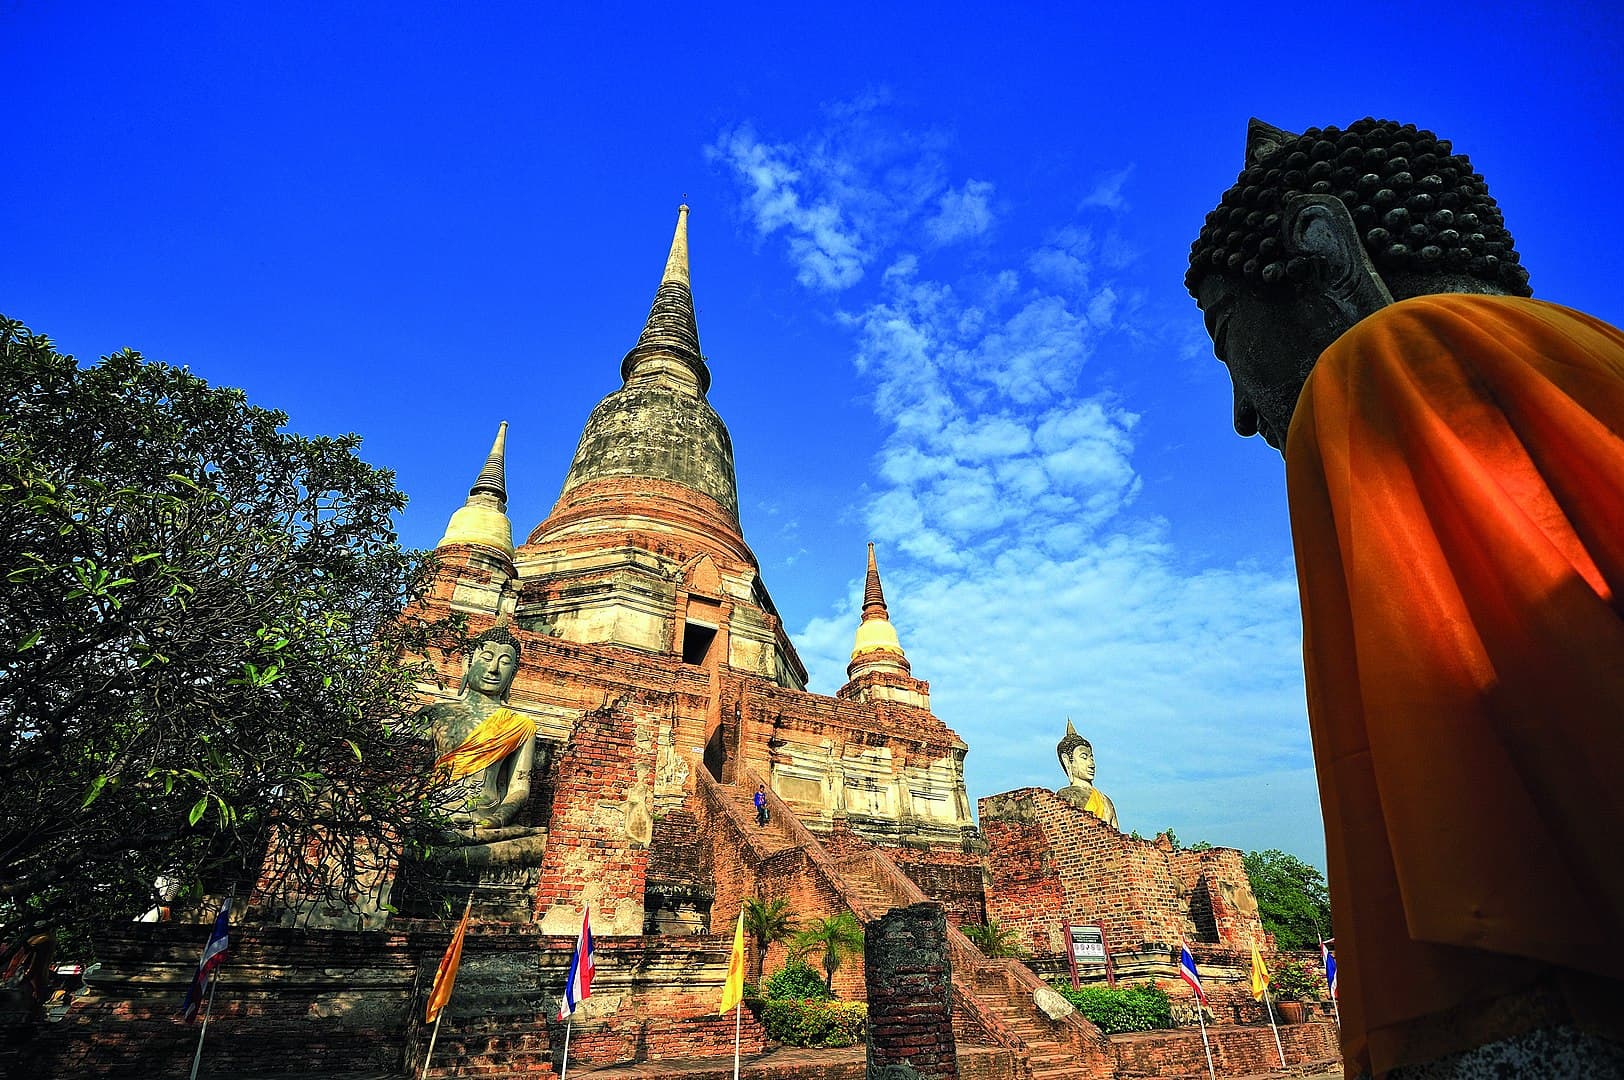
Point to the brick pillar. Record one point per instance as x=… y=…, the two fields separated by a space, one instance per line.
x=597 y=845
x=910 y=984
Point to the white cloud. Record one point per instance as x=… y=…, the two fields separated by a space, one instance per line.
x=1107 y=190
x=961 y=214
x=825 y=247
x=1024 y=584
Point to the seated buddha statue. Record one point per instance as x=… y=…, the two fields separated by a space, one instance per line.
x=486 y=754
x=1077 y=758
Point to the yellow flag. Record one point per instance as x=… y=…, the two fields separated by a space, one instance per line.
x=1260 y=974
x=446 y=976
x=733 y=989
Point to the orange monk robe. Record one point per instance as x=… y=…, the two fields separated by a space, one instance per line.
x=1455 y=469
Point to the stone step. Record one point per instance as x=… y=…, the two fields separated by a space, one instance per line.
x=493 y=1070
x=512 y=1060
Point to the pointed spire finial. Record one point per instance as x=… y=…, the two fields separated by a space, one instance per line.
x=671 y=333
x=1070 y=730
x=676 y=263
x=493 y=477
x=482 y=520
x=876 y=647
x=873 y=597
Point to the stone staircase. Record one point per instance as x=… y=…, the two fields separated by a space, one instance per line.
x=777 y=834
x=494 y=1053
x=491 y=1047
x=995 y=996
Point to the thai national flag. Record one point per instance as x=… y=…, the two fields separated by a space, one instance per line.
x=578 y=983
x=1328 y=958
x=214 y=954
x=1188 y=973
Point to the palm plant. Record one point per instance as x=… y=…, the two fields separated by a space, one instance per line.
x=837 y=937
x=767 y=921
x=994 y=940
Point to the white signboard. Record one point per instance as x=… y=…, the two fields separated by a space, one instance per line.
x=1087 y=945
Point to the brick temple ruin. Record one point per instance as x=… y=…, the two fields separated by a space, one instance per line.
x=663 y=690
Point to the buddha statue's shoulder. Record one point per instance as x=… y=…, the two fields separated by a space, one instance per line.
x=1074 y=795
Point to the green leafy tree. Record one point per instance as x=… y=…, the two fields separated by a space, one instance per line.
x=1291 y=898
x=994 y=940
x=835 y=938
x=199 y=640
x=767 y=921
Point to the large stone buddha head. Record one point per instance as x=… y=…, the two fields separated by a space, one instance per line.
x=1324 y=228
x=492 y=663
x=1076 y=757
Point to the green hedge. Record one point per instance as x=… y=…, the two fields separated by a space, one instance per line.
x=1136 y=1008
x=815 y=1023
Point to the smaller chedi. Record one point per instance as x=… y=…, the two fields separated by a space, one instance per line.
x=1077 y=758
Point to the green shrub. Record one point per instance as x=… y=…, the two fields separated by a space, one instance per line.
x=795 y=981
x=1135 y=1008
x=1291 y=981
x=993 y=939
x=810 y=1022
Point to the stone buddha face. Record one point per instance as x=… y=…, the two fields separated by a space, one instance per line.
x=1269 y=347
x=491 y=669
x=1079 y=765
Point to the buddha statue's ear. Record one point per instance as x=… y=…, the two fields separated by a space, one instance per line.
x=1324 y=252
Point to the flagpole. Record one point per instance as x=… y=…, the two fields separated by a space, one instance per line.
x=738 y=1011
x=208 y=1006
x=1268 y=1007
x=1201 y=1016
x=569 y=1023
x=435 y=1034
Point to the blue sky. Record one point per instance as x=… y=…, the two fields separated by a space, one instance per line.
x=937 y=253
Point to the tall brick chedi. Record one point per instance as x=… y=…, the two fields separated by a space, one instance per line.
x=639 y=594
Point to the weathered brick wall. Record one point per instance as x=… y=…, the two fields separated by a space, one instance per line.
x=1220 y=896
x=325 y=1002
x=656 y=999
x=1051 y=862
x=954 y=879
x=1025 y=892
x=910 y=1007
x=602 y=823
x=286 y=1000
x=1236 y=1051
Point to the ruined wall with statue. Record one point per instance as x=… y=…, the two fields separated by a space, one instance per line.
x=1051 y=862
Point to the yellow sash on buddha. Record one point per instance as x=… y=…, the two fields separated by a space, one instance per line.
x=1095 y=804
x=497 y=736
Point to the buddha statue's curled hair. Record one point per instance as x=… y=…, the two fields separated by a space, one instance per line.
x=1419 y=209
x=499 y=634
x=1070 y=741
